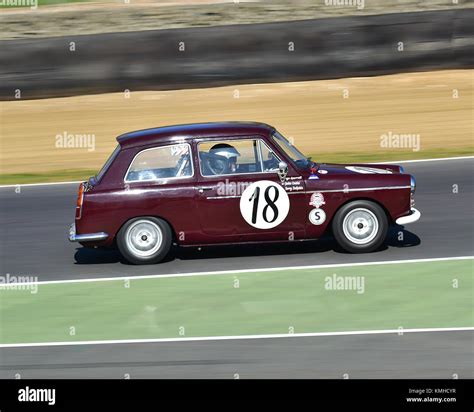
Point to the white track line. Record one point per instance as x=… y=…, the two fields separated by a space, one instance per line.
x=42 y=184
x=233 y=272
x=238 y=337
x=380 y=163
x=425 y=160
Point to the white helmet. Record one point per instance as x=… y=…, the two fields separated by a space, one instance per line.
x=225 y=150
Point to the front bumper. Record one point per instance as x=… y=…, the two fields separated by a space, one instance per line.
x=412 y=217
x=88 y=237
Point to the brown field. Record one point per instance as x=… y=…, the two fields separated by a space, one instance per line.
x=314 y=113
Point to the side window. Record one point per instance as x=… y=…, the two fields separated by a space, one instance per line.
x=269 y=158
x=223 y=157
x=161 y=163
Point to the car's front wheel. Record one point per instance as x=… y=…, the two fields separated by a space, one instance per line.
x=360 y=226
x=144 y=240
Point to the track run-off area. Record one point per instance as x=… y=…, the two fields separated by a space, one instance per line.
x=294 y=310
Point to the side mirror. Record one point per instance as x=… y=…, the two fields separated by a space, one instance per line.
x=282 y=171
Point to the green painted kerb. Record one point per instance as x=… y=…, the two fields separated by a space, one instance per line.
x=409 y=295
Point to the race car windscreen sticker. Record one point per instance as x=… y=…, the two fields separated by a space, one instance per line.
x=264 y=204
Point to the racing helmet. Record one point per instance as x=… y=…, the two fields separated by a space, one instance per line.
x=225 y=150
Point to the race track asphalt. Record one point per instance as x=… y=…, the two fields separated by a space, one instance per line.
x=413 y=355
x=33 y=243
x=34 y=225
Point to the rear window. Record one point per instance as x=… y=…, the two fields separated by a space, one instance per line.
x=107 y=163
x=166 y=162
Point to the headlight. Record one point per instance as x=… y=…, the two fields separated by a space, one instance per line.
x=412 y=184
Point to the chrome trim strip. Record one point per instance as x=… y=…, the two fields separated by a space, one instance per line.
x=87 y=237
x=273 y=172
x=412 y=217
x=361 y=189
x=222 y=197
x=259 y=152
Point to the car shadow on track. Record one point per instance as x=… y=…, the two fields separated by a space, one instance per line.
x=397 y=237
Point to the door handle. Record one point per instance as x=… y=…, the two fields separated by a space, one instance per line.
x=201 y=189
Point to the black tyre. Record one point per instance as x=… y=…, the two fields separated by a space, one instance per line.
x=360 y=226
x=144 y=240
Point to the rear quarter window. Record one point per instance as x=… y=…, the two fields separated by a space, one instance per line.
x=165 y=162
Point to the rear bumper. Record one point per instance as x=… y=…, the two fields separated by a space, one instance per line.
x=412 y=217
x=87 y=237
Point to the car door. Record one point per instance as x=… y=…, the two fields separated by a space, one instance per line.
x=244 y=199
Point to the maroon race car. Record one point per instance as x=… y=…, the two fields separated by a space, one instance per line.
x=233 y=182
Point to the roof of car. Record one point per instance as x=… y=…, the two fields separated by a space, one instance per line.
x=159 y=134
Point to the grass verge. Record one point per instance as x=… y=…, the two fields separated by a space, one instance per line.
x=54 y=176
x=408 y=295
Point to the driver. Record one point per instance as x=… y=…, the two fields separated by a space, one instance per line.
x=229 y=152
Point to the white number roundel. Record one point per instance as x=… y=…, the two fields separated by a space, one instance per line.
x=317 y=216
x=264 y=204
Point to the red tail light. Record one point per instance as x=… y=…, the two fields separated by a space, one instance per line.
x=80 y=199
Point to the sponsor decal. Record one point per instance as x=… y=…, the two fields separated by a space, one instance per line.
x=323 y=172
x=293 y=184
x=368 y=170
x=264 y=204
x=317 y=200
x=313 y=174
x=317 y=216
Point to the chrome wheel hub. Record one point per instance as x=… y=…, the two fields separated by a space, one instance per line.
x=144 y=238
x=360 y=226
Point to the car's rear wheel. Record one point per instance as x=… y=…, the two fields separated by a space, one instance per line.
x=360 y=226
x=144 y=240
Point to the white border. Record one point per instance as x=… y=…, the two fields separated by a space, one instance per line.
x=230 y=272
x=380 y=163
x=398 y=332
